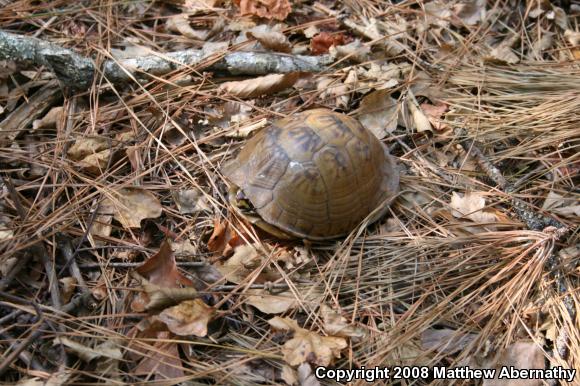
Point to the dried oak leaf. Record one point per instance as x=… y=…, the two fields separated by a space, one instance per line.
x=336 y=325
x=321 y=43
x=158 y=354
x=107 y=350
x=434 y=114
x=191 y=201
x=131 y=205
x=245 y=261
x=270 y=303
x=188 y=318
x=180 y=23
x=51 y=120
x=85 y=146
x=269 y=9
x=471 y=205
x=307 y=346
x=223 y=239
x=159 y=270
x=263 y=85
x=379 y=112
x=91 y=153
x=270 y=38
x=355 y=51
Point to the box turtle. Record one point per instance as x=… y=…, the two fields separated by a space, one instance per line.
x=314 y=175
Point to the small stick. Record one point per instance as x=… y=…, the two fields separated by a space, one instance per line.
x=183 y=264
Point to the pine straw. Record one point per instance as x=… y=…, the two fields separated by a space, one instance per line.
x=423 y=269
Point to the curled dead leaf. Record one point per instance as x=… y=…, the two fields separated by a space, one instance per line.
x=131 y=205
x=471 y=205
x=336 y=325
x=321 y=43
x=188 y=318
x=434 y=114
x=269 y=9
x=160 y=273
x=245 y=260
x=307 y=346
x=270 y=303
x=270 y=38
x=107 y=350
x=355 y=51
x=263 y=85
x=180 y=23
x=378 y=113
x=51 y=120
x=191 y=201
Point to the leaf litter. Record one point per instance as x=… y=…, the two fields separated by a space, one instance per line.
x=451 y=276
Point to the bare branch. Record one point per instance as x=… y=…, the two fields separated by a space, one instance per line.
x=77 y=72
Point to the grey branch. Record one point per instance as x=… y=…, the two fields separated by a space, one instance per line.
x=77 y=71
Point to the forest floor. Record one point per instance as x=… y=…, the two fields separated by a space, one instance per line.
x=122 y=261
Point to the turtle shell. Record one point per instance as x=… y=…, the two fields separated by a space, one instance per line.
x=315 y=174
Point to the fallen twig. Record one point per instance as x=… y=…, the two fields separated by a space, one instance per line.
x=77 y=72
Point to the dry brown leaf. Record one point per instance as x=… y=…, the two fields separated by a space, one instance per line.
x=131 y=205
x=420 y=121
x=336 y=325
x=59 y=378
x=438 y=13
x=69 y=285
x=264 y=85
x=306 y=377
x=561 y=204
x=191 y=201
x=311 y=31
x=107 y=349
x=180 y=23
x=6 y=231
x=470 y=12
x=193 y=7
x=520 y=355
x=503 y=53
x=51 y=120
x=445 y=340
x=355 y=51
x=188 y=318
x=156 y=298
x=289 y=375
x=573 y=37
x=183 y=247
x=434 y=114
x=307 y=346
x=91 y=153
x=244 y=131
x=245 y=260
x=270 y=303
x=378 y=113
x=334 y=91
x=101 y=227
x=95 y=163
x=270 y=9
x=159 y=270
x=321 y=43
x=85 y=146
x=223 y=239
x=471 y=205
x=270 y=38
x=160 y=357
